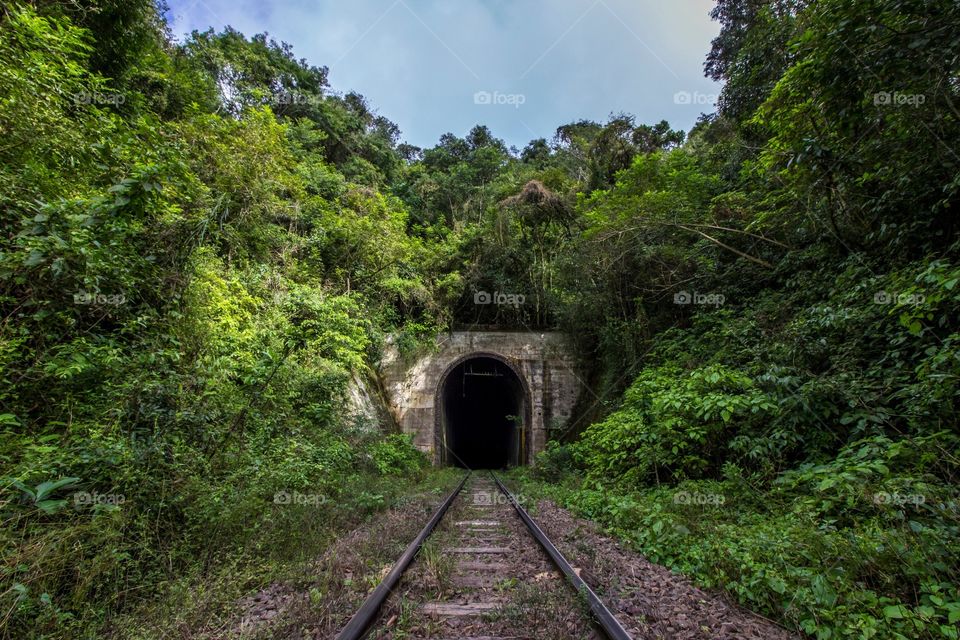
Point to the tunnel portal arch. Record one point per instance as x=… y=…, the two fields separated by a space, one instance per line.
x=474 y=430
x=543 y=361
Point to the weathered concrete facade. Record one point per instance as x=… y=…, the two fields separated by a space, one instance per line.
x=541 y=360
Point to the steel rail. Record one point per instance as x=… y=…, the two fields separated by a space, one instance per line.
x=611 y=626
x=357 y=627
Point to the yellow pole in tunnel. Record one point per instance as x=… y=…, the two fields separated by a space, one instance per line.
x=522 y=454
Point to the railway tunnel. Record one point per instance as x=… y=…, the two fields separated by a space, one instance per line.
x=436 y=394
x=483 y=413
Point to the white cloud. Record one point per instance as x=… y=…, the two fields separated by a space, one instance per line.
x=419 y=62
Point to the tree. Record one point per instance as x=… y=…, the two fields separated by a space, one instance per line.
x=750 y=53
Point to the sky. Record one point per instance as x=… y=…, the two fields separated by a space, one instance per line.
x=521 y=67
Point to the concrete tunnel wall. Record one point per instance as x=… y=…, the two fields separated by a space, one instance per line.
x=541 y=360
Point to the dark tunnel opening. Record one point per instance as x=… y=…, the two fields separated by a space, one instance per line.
x=482 y=415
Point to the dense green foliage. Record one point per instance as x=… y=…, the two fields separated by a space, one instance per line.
x=203 y=246
x=188 y=287
x=790 y=431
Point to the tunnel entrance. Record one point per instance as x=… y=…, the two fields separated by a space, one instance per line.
x=482 y=414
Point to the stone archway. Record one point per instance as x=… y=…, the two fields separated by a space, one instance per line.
x=486 y=423
x=542 y=361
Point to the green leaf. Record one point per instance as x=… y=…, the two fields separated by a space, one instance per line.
x=777 y=584
x=46 y=488
x=35 y=258
x=895 y=611
x=51 y=506
x=826 y=483
x=24 y=488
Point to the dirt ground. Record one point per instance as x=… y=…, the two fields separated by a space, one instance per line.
x=648 y=599
x=329 y=590
x=481 y=575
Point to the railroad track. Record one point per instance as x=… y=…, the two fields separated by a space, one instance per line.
x=503 y=578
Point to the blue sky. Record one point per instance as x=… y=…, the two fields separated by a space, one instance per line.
x=522 y=67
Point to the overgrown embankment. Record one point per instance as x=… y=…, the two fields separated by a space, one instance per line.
x=188 y=286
